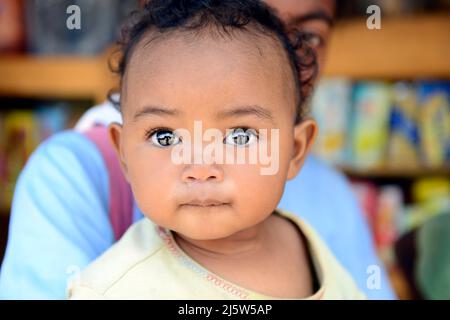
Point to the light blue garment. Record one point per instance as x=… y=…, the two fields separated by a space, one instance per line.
x=59 y=221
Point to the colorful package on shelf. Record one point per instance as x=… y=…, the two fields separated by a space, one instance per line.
x=367 y=195
x=52 y=118
x=431 y=197
x=330 y=108
x=389 y=212
x=404 y=133
x=21 y=132
x=434 y=99
x=20 y=138
x=390 y=206
x=370 y=124
x=427 y=189
x=383 y=208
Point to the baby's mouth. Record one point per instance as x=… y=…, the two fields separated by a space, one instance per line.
x=205 y=203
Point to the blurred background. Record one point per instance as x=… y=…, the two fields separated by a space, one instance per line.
x=383 y=107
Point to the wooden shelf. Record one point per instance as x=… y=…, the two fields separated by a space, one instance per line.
x=55 y=77
x=396 y=172
x=405 y=48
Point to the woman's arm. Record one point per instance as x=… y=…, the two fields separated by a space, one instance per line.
x=59 y=219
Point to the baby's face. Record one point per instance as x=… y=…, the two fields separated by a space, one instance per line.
x=244 y=82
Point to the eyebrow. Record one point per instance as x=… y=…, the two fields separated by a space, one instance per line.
x=254 y=110
x=235 y=112
x=315 y=15
x=155 y=111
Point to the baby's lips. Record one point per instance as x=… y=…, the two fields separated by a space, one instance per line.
x=205 y=202
x=203 y=194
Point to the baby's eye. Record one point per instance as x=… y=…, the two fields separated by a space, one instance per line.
x=164 y=138
x=241 y=137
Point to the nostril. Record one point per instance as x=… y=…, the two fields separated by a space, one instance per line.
x=209 y=178
x=201 y=174
x=191 y=179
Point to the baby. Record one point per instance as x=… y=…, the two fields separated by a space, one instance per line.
x=212 y=92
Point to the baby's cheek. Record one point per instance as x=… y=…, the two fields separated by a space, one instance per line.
x=155 y=202
x=151 y=185
x=256 y=194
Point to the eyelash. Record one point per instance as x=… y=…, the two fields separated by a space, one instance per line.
x=150 y=132
x=245 y=129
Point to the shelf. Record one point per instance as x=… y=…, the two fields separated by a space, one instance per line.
x=409 y=47
x=395 y=172
x=405 y=48
x=55 y=77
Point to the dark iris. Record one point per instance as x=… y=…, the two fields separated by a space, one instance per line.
x=165 y=138
x=241 y=139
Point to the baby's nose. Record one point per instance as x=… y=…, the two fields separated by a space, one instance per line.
x=202 y=173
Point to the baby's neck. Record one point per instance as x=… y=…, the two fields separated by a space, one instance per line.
x=239 y=245
x=270 y=258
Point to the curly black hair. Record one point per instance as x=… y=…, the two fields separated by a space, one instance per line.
x=164 y=16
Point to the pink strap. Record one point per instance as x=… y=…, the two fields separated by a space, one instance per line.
x=120 y=196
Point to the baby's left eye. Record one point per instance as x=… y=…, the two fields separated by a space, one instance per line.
x=164 y=138
x=241 y=137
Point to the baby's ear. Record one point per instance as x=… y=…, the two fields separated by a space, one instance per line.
x=304 y=135
x=115 y=135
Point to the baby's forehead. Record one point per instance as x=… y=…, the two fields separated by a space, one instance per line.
x=253 y=61
x=250 y=47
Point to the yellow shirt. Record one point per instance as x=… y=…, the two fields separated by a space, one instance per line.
x=147 y=263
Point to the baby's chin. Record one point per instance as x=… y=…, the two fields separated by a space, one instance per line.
x=205 y=234
x=235 y=229
x=203 y=224
x=208 y=230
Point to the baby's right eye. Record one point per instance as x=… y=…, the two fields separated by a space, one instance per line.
x=164 y=138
